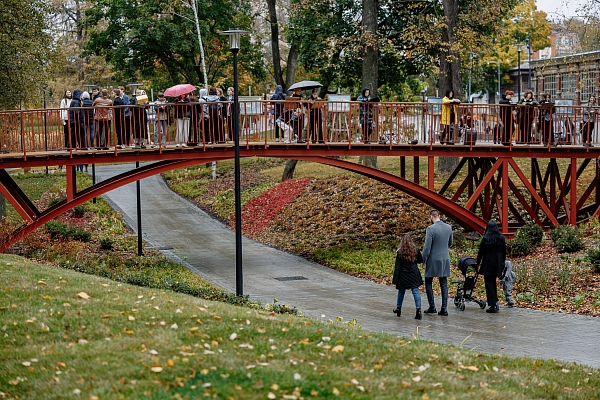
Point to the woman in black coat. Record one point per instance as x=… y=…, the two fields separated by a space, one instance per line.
x=407 y=274
x=491 y=257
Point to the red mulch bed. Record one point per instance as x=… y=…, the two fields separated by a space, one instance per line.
x=259 y=212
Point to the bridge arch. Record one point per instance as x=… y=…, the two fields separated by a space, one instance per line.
x=462 y=216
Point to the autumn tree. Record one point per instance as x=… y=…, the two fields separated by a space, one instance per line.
x=157 y=41
x=27 y=52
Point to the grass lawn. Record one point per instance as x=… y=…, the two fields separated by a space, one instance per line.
x=71 y=335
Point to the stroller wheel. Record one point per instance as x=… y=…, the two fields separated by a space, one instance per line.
x=456 y=301
x=482 y=304
x=462 y=306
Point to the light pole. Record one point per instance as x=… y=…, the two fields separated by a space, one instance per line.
x=45 y=127
x=519 y=45
x=529 y=78
x=234 y=45
x=471 y=57
x=498 y=63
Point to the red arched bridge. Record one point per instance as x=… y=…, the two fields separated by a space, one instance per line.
x=551 y=180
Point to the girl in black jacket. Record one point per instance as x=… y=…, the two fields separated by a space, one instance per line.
x=407 y=274
x=491 y=257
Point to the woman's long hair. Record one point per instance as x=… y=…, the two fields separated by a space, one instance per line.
x=448 y=91
x=407 y=250
x=492 y=234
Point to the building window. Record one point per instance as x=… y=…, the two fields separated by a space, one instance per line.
x=588 y=80
x=550 y=85
x=569 y=79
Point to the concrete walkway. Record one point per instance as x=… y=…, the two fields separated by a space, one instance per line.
x=177 y=227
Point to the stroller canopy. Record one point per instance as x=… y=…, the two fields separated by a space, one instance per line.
x=465 y=262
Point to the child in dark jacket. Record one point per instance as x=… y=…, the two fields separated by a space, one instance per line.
x=407 y=274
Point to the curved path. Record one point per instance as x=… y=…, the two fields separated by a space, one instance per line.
x=180 y=229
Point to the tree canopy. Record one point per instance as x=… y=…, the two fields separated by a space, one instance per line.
x=156 y=40
x=26 y=52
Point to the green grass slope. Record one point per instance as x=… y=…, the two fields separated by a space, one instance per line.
x=70 y=335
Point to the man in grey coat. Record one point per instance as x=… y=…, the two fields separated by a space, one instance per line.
x=437 y=260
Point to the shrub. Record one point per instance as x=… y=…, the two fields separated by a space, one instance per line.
x=54 y=201
x=106 y=243
x=527 y=238
x=79 y=211
x=593 y=258
x=565 y=239
x=531 y=232
x=519 y=246
x=61 y=230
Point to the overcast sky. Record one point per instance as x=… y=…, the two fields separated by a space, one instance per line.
x=557 y=9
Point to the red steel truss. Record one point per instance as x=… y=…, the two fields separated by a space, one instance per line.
x=510 y=185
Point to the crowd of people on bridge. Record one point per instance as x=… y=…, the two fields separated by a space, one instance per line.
x=435 y=257
x=102 y=119
x=527 y=121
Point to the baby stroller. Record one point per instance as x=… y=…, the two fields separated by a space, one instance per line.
x=464 y=289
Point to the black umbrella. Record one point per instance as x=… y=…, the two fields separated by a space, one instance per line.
x=305 y=85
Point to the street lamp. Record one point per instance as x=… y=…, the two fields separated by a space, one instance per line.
x=133 y=87
x=234 y=45
x=471 y=57
x=519 y=45
x=497 y=62
x=529 y=78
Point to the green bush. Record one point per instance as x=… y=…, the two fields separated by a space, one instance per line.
x=79 y=211
x=593 y=258
x=106 y=243
x=58 y=229
x=565 y=239
x=54 y=201
x=531 y=232
x=519 y=246
x=527 y=238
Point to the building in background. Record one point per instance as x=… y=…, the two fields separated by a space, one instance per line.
x=559 y=69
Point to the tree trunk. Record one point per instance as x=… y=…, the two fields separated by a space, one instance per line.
x=292 y=64
x=288 y=171
x=450 y=75
x=275 y=43
x=368 y=161
x=446 y=165
x=370 y=61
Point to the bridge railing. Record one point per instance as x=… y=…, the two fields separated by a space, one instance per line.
x=199 y=124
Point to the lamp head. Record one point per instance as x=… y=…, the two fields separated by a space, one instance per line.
x=234 y=37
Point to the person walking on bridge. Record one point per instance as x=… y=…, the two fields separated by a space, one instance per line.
x=449 y=117
x=436 y=258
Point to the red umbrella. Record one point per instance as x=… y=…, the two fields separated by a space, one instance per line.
x=178 y=90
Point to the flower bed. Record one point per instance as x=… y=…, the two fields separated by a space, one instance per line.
x=259 y=212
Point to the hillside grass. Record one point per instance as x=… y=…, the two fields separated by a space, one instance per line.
x=71 y=335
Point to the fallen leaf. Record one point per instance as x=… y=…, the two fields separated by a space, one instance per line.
x=337 y=349
x=156 y=369
x=83 y=295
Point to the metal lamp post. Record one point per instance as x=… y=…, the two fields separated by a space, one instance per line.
x=498 y=63
x=138 y=190
x=471 y=57
x=45 y=127
x=529 y=78
x=234 y=45
x=519 y=70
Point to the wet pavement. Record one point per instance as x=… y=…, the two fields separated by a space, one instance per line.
x=180 y=229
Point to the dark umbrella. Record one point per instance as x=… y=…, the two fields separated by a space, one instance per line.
x=305 y=85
